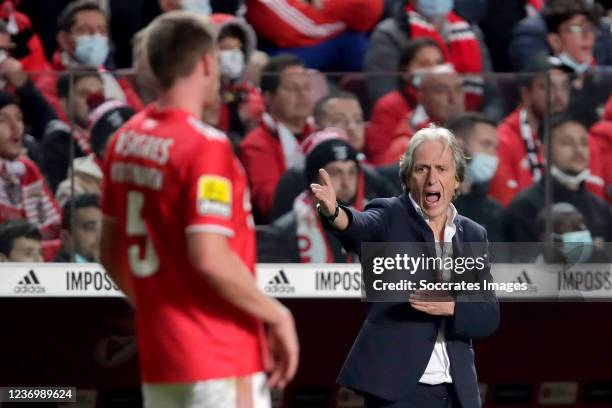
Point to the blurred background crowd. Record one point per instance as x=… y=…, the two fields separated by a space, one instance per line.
x=525 y=85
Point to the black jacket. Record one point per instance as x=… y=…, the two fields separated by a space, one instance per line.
x=395 y=342
x=482 y=209
x=520 y=216
x=55 y=148
x=293 y=182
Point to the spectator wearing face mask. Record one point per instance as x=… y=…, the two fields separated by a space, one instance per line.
x=20 y=241
x=477 y=134
x=55 y=146
x=569 y=175
x=426 y=18
x=572 y=241
x=326 y=35
x=23 y=191
x=84 y=44
x=572 y=27
x=440 y=97
x=241 y=103
x=390 y=109
x=529 y=38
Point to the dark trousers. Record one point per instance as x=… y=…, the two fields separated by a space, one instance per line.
x=424 y=396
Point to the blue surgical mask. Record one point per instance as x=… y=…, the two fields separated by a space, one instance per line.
x=481 y=168
x=197 y=6
x=577 y=246
x=577 y=67
x=91 y=50
x=434 y=8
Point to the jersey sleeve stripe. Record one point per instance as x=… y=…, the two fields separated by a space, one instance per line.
x=217 y=229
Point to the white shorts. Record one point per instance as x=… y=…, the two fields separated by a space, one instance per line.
x=231 y=392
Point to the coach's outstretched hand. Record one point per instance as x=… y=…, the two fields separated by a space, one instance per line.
x=284 y=351
x=326 y=198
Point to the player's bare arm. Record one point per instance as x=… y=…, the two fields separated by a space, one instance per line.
x=211 y=255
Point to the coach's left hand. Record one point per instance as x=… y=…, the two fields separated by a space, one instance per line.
x=433 y=302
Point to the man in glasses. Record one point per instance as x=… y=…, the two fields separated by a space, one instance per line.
x=572 y=28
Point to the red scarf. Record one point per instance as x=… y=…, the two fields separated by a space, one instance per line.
x=312 y=241
x=460 y=47
x=25 y=195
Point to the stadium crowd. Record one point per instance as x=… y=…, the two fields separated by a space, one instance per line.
x=309 y=84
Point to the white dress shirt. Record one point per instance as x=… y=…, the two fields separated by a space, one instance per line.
x=438 y=367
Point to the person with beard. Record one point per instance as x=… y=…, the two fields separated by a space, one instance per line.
x=520 y=142
x=55 y=144
x=569 y=176
x=478 y=136
x=299 y=236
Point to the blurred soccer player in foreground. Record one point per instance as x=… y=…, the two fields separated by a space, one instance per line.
x=178 y=239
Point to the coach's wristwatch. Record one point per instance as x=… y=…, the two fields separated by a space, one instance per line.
x=332 y=217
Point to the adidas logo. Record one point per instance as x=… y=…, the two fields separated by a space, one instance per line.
x=279 y=284
x=29 y=279
x=29 y=284
x=280 y=278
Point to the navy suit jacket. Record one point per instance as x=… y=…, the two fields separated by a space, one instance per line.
x=395 y=342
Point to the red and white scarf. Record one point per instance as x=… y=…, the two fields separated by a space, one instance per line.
x=459 y=46
x=24 y=195
x=312 y=241
x=291 y=146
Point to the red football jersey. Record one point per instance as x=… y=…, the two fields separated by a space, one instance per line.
x=166 y=175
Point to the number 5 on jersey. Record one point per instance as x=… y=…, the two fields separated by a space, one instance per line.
x=141 y=267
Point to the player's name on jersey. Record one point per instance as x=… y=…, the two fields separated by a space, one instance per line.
x=143 y=176
x=132 y=144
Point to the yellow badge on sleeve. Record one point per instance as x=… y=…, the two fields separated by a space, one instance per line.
x=214 y=196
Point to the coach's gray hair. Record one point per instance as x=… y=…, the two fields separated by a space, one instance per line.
x=433 y=133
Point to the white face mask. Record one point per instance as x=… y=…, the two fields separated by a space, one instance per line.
x=231 y=63
x=577 y=67
x=577 y=245
x=197 y=6
x=482 y=168
x=568 y=180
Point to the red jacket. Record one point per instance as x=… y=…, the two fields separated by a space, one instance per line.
x=295 y=23
x=35 y=60
x=601 y=138
x=408 y=125
x=262 y=156
x=608 y=110
x=514 y=173
x=47 y=84
x=462 y=50
x=388 y=113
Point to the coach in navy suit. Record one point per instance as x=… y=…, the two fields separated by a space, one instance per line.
x=418 y=353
